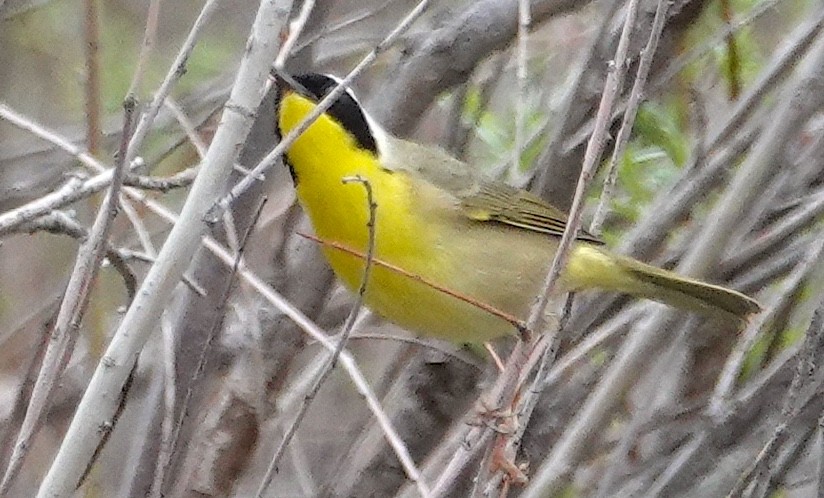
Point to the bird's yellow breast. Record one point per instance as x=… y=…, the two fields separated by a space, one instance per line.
x=320 y=159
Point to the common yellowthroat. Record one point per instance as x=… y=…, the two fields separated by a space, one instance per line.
x=438 y=219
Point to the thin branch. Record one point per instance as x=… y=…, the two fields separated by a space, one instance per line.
x=295 y=30
x=97 y=406
x=635 y=97
x=139 y=227
x=60 y=223
x=162 y=184
x=146 y=47
x=174 y=74
x=332 y=28
x=168 y=426
x=75 y=301
x=595 y=147
x=322 y=106
x=524 y=19
x=168 y=446
x=188 y=127
x=91 y=35
x=511 y=319
x=472 y=438
x=331 y=360
x=442 y=347
x=805 y=368
x=129 y=255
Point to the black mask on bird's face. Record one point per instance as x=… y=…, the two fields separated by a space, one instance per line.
x=346 y=110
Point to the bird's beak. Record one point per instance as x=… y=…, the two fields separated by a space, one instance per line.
x=286 y=84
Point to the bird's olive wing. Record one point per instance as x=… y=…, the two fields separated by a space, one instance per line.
x=495 y=201
x=479 y=199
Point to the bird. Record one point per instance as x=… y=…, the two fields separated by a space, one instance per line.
x=457 y=256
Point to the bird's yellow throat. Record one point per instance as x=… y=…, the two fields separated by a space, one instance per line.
x=320 y=159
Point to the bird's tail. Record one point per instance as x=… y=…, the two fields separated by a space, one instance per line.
x=664 y=286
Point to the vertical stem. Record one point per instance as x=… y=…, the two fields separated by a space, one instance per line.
x=524 y=19
x=91 y=38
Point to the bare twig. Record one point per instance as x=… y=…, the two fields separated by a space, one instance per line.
x=91 y=34
x=524 y=19
x=330 y=361
x=513 y=320
x=76 y=299
x=473 y=440
x=188 y=127
x=168 y=446
x=295 y=30
x=789 y=226
x=96 y=406
x=631 y=111
x=168 y=426
x=322 y=106
x=329 y=29
x=58 y=222
x=595 y=147
x=177 y=70
x=165 y=184
x=146 y=47
x=139 y=227
x=805 y=368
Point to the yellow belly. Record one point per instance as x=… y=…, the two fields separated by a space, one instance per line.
x=498 y=266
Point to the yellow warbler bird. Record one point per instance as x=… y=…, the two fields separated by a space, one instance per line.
x=439 y=220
